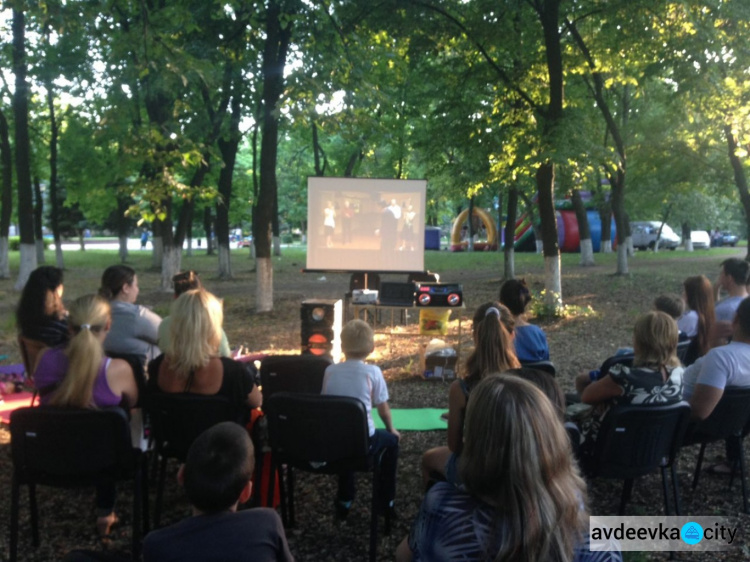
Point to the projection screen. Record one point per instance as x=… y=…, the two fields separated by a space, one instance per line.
x=359 y=224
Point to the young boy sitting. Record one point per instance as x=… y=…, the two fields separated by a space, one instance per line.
x=216 y=477
x=355 y=378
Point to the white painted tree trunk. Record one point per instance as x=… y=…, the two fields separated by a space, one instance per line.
x=552 y=281
x=4 y=262
x=510 y=265
x=263 y=285
x=190 y=247
x=587 y=252
x=606 y=247
x=170 y=265
x=123 y=250
x=276 y=246
x=27 y=265
x=689 y=245
x=629 y=245
x=39 y=251
x=82 y=242
x=539 y=246
x=156 y=257
x=59 y=259
x=225 y=263
x=622 y=259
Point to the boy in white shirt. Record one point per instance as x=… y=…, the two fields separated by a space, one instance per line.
x=357 y=379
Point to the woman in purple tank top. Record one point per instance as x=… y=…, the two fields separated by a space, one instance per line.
x=80 y=375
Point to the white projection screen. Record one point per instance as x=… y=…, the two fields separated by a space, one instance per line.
x=359 y=224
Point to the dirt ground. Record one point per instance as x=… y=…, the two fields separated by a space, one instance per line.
x=577 y=343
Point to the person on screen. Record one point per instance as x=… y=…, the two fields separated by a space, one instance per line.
x=346 y=222
x=329 y=223
x=388 y=226
x=409 y=234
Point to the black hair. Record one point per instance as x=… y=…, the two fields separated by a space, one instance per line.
x=114 y=278
x=218 y=466
x=186 y=281
x=515 y=295
x=544 y=382
x=670 y=304
x=743 y=316
x=737 y=269
x=32 y=307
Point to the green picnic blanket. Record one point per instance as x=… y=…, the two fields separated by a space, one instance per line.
x=414 y=419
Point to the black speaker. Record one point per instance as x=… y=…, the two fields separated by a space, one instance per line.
x=321 y=327
x=439 y=294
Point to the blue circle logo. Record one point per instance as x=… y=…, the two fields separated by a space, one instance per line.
x=691 y=533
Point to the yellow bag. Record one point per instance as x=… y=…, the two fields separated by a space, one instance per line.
x=433 y=322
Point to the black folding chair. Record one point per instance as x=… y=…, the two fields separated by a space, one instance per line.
x=323 y=435
x=176 y=421
x=624 y=359
x=635 y=440
x=546 y=366
x=292 y=373
x=72 y=448
x=730 y=420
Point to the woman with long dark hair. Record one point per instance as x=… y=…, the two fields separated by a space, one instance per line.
x=699 y=321
x=41 y=314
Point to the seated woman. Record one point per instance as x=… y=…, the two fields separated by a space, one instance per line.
x=134 y=327
x=523 y=498
x=80 y=375
x=190 y=362
x=186 y=281
x=654 y=380
x=699 y=321
x=41 y=314
x=492 y=330
x=530 y=340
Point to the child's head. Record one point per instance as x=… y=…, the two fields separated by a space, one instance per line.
x=544 y=382
x=186 y=281
x=655 y=340
x=218 y=468
x=357 y=340
x=514 y=294
x=669 y=304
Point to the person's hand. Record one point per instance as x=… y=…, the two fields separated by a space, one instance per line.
x=395 y=432
x=239 y=352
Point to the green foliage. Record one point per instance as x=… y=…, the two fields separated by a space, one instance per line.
x=14 y=244
x=546 y=308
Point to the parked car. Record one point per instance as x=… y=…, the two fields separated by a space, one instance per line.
x=645 y=234
x=727 y=238
x=701 y=240
x=246 y=242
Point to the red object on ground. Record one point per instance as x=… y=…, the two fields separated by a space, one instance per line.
x=13 y=402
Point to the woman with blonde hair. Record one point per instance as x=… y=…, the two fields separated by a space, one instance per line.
x=191 y=363
x=523 y=499
x=82 y=376
x=492 y=331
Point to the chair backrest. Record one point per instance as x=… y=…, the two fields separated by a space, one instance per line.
x=689 y=352
x=633 y=440
x=64 y=446
x=546 y=366
x=177 y=419
x=682 y=350
x=304 y=429
x=624 y=359
x=730 y=417
x=139 y=371
x=292 y=373
x=30 y=353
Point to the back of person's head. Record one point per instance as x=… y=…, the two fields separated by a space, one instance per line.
x=699 y=294
x=518 y=458
x=655 y=337
x=494 y=351
x=743 y=317
x=194 y=332
x=186 y=281
x=544 y=382
x=218 y=466
x=670 y=304
x=114 y=278
x=39 y=300
x=737 y=269
x=89 y=316
x=357 y=339
x=514 y=294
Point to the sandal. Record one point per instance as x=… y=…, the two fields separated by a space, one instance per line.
x=104 y=526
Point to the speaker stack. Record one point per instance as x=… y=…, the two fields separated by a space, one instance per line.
x=321 y=327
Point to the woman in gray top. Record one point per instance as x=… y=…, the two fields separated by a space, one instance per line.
x=135 y=329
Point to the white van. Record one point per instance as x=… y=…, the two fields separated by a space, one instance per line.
x=644 y=235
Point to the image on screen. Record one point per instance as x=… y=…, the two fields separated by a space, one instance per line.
x=358 y=224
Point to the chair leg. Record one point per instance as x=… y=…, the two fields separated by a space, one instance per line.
x=14 y=504
x=290 y=480
x=160 y=491
x=137 y=507
x=279 y=470
x=144 y=503
x=627 y=488
x=742 y=475
x=374 y=509
x=34 y=515
x=675 y=490
x=698 y=465
x=665 y=489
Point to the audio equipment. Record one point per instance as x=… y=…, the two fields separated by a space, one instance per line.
x=321 y=322
x=396 y=294
x=439 y=294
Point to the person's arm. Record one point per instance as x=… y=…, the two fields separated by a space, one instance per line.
x=121 y=381
x=704 y=400
x=255 y=398
x=403 y=552
x=600 y=391
x=224 y=349
x=456 y=408
x=384 y=411
x=147 y=325
x=582 y=381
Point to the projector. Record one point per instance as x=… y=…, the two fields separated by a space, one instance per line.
x=364 y=296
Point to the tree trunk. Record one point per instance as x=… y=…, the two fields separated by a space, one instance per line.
x=686 y=237
x=545 y=181
x=207 y=228
x=510 y=235
x=6 y=196
x=470 y=226
x=122 y=227
x=225 y=261
x=605 y=216
x=740 y=179
x=53 y=195
x=170 y=265
x=158 y=244
x=274 y=58
x=38 y=221
x=584 y=232
x=499 y=219
x=617 y=181
x=23 y=152
x=275 y=227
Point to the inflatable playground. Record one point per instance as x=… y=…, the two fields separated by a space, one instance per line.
x=524 y=240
